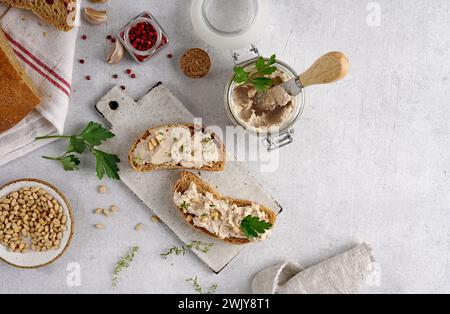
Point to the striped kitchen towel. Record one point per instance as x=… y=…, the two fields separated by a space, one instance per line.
x=47 y=55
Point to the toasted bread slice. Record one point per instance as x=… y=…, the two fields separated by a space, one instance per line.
x=144 y=166
x=183 y=185
x=60 y=13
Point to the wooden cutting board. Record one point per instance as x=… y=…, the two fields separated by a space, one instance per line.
x=129 y=119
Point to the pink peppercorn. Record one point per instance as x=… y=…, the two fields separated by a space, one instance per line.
x=143 y=36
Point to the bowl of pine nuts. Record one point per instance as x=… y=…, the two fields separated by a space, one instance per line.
x=36 y=223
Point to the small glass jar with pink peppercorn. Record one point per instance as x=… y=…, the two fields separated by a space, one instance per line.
x=143 y=37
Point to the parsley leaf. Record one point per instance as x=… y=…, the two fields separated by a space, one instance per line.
x=70 y=162
x=265 y=67
x=259 y=79
x=95 y=134
x=240 y=75
x=262 y=83
x=76 y=145
x=253 y=227
x=260 y=63
x=106 y=164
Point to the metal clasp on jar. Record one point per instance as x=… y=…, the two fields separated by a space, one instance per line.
x=278 y=141
x=235 y=55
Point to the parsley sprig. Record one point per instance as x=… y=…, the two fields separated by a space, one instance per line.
x=197 y=287
x=92 y=136
x=124 y=262
x=253 y=227
x=258 y=79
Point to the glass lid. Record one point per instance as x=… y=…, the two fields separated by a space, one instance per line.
x=229 y=24
x=231 y=17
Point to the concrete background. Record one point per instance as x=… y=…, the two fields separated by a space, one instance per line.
x=370 y=161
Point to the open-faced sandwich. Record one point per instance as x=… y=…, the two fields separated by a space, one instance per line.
x=231 y=220
x=181 y=146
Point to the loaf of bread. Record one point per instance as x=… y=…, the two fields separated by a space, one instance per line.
x=211 y=213
x=177 y=146
x=60 y=13
x=18 y=95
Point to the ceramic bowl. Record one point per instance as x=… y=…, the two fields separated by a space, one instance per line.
x=32 y=259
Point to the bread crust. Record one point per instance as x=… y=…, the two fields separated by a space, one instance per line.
x=183 y=184
x=216 y=166
x=38 y=7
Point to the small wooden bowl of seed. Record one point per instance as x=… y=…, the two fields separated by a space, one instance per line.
x=36 y=223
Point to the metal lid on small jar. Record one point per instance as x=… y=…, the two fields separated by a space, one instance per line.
x=231 y=24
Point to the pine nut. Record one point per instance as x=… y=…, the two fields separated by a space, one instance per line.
x=138 y=227
x=98 y=210
x=102 y=189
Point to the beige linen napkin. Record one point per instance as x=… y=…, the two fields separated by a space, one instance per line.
x=345 y=273
x=47 y=55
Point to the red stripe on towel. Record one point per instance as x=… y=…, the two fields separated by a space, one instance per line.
x=47 y=77
x=39 y=62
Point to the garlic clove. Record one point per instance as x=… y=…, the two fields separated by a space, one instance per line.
x=95 y=17
x=116 y=54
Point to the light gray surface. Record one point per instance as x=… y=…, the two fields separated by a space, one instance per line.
x=370 y=161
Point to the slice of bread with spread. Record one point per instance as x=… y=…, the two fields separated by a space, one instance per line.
x=178 y=146
x=216 y=215
x=60 y=13
x=18 y=95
